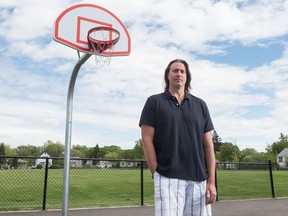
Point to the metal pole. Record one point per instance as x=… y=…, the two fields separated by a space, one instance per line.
x=271 y=178
x=142 y=183
x=216 y=183
x=68 y=131
x=45 y=184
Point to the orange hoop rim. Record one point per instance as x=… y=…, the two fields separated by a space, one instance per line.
x=110 y=42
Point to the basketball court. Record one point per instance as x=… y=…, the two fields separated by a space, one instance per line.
x=266 y=207
x=92 y=30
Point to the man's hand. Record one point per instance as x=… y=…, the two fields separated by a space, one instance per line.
x=211 y=193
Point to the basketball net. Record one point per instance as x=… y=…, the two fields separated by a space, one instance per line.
x=101 y=42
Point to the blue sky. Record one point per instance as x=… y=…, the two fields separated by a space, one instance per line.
x=248 y=56
x=236 y=49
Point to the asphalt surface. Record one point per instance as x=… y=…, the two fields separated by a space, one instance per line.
x=265 y=207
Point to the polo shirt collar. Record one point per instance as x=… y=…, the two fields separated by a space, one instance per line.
x=170 y=96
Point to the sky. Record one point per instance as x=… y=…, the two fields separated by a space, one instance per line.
x=237 y=51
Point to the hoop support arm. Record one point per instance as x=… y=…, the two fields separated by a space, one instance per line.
x=68 y=130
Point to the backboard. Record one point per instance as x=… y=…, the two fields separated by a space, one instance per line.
x=72 y=26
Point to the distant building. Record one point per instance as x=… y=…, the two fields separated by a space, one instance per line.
x=104 y=164
x=100 y=164
x=42 y=160
x=22 y=164
x=76 y=162
x=282 y=158
x=128 y=164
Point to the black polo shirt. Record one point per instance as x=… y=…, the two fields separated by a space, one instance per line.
x=178 y=134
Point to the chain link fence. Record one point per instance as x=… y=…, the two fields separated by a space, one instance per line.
x=245 y=181
x=36 y=183
x=93 y=183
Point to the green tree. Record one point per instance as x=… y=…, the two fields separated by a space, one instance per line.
x=114 y=155
x=54 y=149
x=217 y=141
x=2 y=152
x=128 y=154
x=9 y=151
x=115 y=152
x=251 y=155
x=228 y=152
x=108 y=149
x=28 y=150
x=246 y=155
x=96 y=151
x=262 y=157
x=138 y=151
x=276 y=147
x=15 y=163
x=79 y=151
x=96 y=154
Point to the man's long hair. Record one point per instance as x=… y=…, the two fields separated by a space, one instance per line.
x=188 y=74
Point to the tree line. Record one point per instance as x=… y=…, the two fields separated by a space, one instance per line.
x=225 y=151
x=230 y=152
x=56 y=149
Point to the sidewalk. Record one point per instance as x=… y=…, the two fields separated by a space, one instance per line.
x=266 y=207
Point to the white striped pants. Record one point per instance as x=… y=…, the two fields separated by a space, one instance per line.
x=175 y=197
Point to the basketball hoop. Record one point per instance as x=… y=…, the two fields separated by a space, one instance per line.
x=101 y=41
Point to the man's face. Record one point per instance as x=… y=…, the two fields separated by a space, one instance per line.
x=177 y=75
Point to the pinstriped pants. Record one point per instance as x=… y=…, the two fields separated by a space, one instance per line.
x=175 y=197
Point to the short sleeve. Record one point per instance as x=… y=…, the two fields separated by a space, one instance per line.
x=148 y=113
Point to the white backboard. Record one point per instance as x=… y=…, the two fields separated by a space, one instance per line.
x=73 y=24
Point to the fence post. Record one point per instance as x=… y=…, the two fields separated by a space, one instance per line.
x=45 y=184
x=216 y=185
x=142 y=183
x=271 y=179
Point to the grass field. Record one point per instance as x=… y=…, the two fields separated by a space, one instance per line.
x=233 y=185
x=23 y=189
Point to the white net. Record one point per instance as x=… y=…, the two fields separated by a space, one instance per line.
x=101 y=43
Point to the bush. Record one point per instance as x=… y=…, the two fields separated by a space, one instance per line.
x=55 y=167
x=39 y=166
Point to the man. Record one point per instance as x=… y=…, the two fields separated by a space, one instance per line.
x=177 y=142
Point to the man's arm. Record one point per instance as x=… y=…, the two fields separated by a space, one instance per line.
x=148 y=147
x=210 y=162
